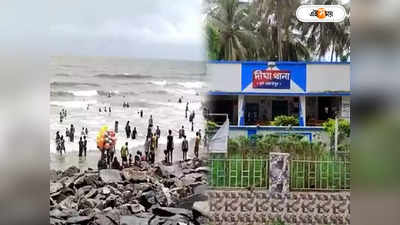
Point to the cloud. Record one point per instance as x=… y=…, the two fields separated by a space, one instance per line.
x=138 y=25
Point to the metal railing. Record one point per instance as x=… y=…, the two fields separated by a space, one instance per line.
x=311 y=175
x=238 y=173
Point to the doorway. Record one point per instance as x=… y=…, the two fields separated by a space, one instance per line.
x=279 y=107
x=251 y=111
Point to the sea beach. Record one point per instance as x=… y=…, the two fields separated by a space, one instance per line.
x=153 y=86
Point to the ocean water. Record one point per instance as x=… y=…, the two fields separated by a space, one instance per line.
x=153 y=86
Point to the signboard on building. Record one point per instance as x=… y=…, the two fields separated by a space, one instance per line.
x=271 y=79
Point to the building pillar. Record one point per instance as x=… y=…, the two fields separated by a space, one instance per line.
x=241 y=110
x=302 y=111
x=279 y=172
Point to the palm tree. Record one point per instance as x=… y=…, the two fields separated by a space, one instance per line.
x=228 y=18
x=277 y=22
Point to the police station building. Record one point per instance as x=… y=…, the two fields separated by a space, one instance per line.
x=254 y=93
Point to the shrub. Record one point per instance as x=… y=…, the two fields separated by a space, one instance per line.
x=285 y=121
x=211 y=125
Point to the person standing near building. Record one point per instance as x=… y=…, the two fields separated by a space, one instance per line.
x=128 y=130
x=185 y=148
x=170 y=146
x=196 y=145
x=134 y=133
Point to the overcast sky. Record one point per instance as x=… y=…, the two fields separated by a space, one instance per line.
x=138 y=28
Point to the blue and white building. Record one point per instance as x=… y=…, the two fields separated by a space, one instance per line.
x=254 y=93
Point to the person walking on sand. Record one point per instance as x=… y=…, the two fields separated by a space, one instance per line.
x=192 y=126
x=196 y=145
x=170 y=146
x=134 y=133
x=147 y=148
x=128 y=130
x=185 y=148
x=80 y=143
x=153 y=149
x=158 y=134
x=83 y=131
x=84 y=145
x=141 y=113
x=86 y=131
x=124 y=153
x=116 y=126
x=72 y=133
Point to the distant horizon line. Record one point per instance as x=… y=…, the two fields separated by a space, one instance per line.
x=130 y=57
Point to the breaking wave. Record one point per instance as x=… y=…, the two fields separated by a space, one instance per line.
x=122 y=76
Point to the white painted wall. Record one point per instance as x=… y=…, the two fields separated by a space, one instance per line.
x=224 y=77
x=328 y=77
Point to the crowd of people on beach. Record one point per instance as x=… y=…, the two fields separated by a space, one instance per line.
x=151 y=144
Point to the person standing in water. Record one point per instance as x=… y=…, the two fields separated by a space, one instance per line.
x=62 y=145
x=149 y=131
x=170 y=146
x=134 y=133
x=185 y=148
x=116 y=127
x=80 y=146
x=72 y=133
x=61 y=117
x=66 y=132
x=187 y=109
x=84 y=145
x=128 y=130
x=151 y=121
x=58 y=141
x=197 y=145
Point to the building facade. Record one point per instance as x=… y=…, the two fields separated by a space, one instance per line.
x=254 y=93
